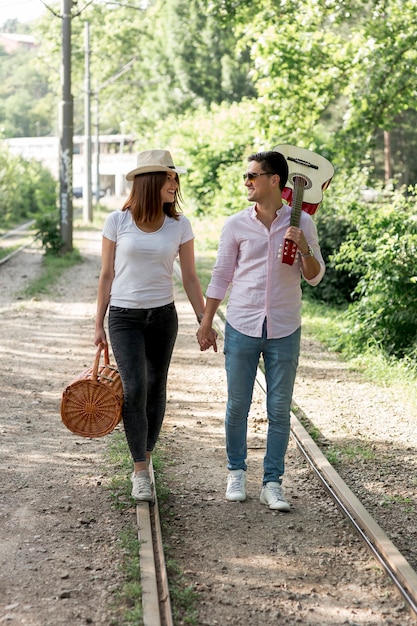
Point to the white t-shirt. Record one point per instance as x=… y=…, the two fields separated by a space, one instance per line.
x=144 y=261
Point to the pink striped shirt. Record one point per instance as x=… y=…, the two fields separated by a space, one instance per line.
x=249 y=259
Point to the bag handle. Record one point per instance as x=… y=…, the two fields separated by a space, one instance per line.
x=100 y=348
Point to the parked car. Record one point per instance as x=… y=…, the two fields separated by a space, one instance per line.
x=77 y=192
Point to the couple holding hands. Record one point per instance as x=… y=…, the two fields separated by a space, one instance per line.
x=139 y=245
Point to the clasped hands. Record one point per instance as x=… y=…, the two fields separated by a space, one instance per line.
x=207 y=337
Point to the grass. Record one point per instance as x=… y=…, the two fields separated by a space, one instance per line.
x=333 y=456
x=320 y=322
x=53 y=267
x=183 y=596
x=324 y=323
x=391 y=501
x=128 y=600
x=340 y=453
x=6 y=251
x=358 y=452
x=129 y=597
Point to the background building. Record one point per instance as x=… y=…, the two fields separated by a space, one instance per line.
x=116 y=156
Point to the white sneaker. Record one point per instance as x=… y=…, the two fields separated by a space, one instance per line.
x=141 y=486
x=235 y=491
x=273 y=496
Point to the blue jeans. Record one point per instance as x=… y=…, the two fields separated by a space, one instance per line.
x=242 y=354
x=142 y=341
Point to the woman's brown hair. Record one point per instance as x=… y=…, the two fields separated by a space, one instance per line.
x=144 y=201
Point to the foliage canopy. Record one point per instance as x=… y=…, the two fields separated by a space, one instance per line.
x=216 y=80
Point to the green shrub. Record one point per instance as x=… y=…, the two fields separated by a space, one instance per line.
x=48 y=229
x=384 y=249
x=213 y=144
x=336 y=219
x=27 y=189
x=338 y=284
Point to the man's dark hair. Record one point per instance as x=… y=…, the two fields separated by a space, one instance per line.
x=273 y=162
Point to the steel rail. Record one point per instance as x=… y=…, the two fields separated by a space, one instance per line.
x=390 y=558
x=380 y=546
x=18 y=231
x=156 y=603
x=393 y=562
x=17 y=251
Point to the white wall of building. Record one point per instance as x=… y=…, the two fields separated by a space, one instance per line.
x=116 y=158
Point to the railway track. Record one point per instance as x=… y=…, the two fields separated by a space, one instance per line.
x=21 y=239
x=395 y=565
x=156 y=604
x=18 y=230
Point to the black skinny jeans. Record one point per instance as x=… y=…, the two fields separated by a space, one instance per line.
x=142 y=341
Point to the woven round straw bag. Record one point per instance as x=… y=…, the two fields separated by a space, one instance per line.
x=91 y=405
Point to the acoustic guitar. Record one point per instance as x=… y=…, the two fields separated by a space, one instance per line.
x=309 y=174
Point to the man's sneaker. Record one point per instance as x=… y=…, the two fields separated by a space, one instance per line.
x=141 y=486
x=273 y=496
x=235 y=491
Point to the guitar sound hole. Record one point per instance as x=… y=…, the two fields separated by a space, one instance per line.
x=301 y=181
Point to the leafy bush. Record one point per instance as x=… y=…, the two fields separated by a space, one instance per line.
x=384 y=247
x=338 y=284
x=336 y=219
x=213 y=144
x=48 y=229
x=27 y=189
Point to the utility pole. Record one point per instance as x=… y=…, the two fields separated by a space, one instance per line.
x=87 y=193
x=66 y=119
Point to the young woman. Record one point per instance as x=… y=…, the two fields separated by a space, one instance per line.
x=139 y=246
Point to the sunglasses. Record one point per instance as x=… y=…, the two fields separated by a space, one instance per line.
x=252 y=175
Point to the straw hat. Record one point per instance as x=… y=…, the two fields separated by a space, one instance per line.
x=154 y=161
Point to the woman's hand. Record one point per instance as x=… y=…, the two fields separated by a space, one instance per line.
x=100 y=337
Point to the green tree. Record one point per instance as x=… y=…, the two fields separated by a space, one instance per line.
x=213 y=144
x=27 y=105
x=26 y=189
x=183 y=58
x=383 y=248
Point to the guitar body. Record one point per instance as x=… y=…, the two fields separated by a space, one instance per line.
x=309 y=174
x=315 y=169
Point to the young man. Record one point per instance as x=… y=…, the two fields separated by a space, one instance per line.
x=263 y=317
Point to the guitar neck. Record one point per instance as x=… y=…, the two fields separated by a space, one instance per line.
x=297 y=202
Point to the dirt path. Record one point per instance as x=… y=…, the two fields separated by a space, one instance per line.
x=58 y=555
x=59 y=558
